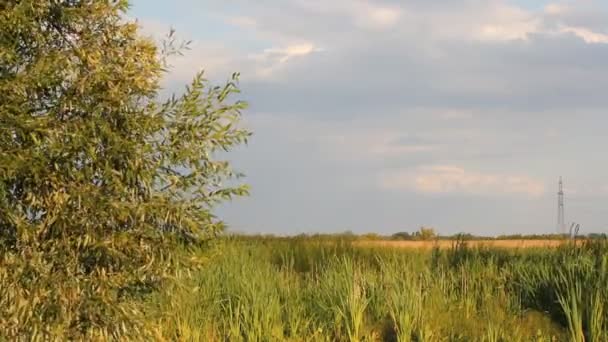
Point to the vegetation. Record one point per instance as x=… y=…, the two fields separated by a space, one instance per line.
x=106 y=198
x=304 y=289
x=101 y=184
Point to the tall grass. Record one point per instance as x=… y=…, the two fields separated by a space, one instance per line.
x=572 y=284
x=313 y=290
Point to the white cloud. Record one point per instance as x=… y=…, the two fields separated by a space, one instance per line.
x=587 y=35
x=291 y=51
x=503 y=22
x=268 y=61
x=443 y=179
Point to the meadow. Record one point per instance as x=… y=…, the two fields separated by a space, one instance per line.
x=302 y=289
x=443 y=244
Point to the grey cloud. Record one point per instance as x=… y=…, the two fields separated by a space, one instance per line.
x=592 y=15
x=533 y=106
x=383 y=76
x=380 y=72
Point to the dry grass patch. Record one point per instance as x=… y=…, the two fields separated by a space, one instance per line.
x=476 y=243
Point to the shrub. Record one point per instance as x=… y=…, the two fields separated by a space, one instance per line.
x=426 y=233
x=402 y=236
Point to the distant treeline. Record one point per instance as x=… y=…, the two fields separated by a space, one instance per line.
x=426 y=234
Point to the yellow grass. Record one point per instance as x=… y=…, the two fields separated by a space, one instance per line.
x=448 y=244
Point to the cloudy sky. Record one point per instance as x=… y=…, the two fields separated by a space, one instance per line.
x=385 y=115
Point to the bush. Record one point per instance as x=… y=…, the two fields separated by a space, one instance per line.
x=426 y=233
x=100 y=183
x=371 y=237
x=402 y=236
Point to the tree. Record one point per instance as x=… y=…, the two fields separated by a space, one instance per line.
x=371 y=236
x=401 y=236
x=426 y=233
x=100 y=181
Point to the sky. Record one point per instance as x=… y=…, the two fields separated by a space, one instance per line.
x=384 y=115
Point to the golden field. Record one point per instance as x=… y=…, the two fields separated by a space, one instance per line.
x=474 y=243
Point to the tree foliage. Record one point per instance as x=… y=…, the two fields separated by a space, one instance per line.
x=426 y=233
x=100 y=180
x=402 y=236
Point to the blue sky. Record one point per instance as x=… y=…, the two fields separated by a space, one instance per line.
x=383 y=116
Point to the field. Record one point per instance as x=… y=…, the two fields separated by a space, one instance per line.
x=318 y=290
x=475 y=243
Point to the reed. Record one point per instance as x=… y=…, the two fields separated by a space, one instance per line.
x=323 y=290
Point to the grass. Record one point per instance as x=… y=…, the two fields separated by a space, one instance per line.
x=312 y=290
x=447 y=244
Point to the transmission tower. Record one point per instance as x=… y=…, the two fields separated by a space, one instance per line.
x=561 y=222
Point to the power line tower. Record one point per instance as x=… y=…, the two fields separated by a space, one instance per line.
x=561 y=222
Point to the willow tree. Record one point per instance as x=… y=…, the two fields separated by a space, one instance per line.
x=101 y=181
